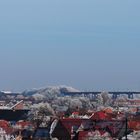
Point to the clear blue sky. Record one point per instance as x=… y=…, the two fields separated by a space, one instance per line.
x=87 y=44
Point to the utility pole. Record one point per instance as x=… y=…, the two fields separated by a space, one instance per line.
x=126 y=126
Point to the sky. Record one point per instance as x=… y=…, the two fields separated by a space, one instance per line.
x=91 y=45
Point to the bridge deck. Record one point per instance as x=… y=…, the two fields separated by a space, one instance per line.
x=120 y=92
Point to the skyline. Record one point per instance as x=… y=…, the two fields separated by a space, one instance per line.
x=92 y=45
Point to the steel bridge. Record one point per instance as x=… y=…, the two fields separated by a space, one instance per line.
x=130 y=94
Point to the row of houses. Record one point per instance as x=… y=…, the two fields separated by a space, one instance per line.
x=100 y=125
x=106 y=123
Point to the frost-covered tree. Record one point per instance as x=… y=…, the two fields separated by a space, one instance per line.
x=99 y=99
x=106 y=98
